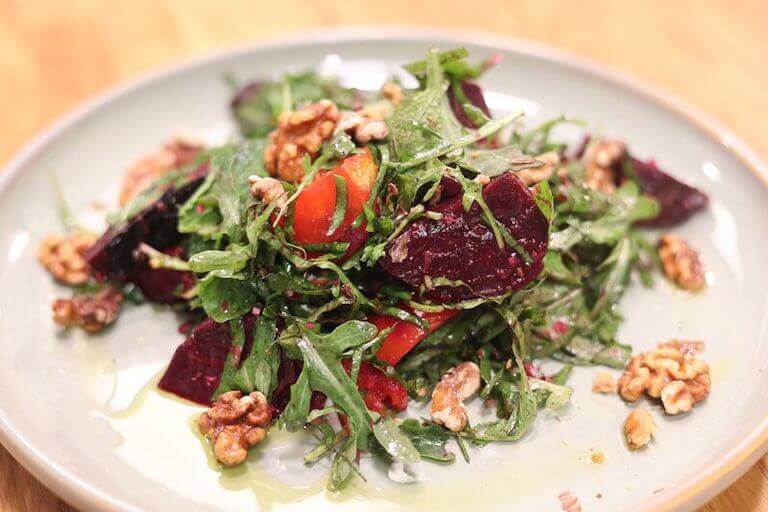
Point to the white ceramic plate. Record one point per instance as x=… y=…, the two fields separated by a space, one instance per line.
x=60 y=395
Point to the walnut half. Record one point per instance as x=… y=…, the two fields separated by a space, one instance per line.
x=298 y=133
x=681 y=263
x=235 y=423
x=63 y=256
x=670 y=373
x=448 y=397
x=90 y=312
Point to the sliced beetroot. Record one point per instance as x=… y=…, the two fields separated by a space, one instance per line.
x=195 y=369
x=474 y=95
x=678 y=200
x=162 y=284
x=462 y=247
x=113 y=255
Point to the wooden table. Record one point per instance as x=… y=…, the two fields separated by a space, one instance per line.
x=55 y=54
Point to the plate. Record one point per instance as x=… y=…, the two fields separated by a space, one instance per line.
x=82 y=414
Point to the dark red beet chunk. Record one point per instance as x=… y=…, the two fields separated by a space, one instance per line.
x=678 y=201
x=381 y=392
x=461 y=246
x=113 y=255
x=474 y=95
x=162 y=284
x=195 y=369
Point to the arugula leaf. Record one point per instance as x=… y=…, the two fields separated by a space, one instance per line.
x=258 y=372
x=327 y=375
x=225 y=194
x=556 y=396
x=343 y=466
x=226 y=295
x=256 y=111
x=429 y=439
x=419 y=68
x=544 y=200
x=341 y=205
x=233 y=259
x=423 y=121
x=396 y=443
x=496 y=161
x=295 y=414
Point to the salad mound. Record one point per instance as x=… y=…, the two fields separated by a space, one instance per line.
x=359 y=251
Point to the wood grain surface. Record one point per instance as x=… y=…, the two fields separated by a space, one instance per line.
x=55 y=54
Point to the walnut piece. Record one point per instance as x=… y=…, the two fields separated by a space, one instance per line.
x=392 y=92
x=63 y=256
x=268 y=190
x=670 y=372
x=681 y=263
x=639 y=428
x=604 y=383
x=90 y=312
x=597 y=456
x=179 y=151
x=362 y=128
x=534 y=175
x=298 y=133
x=235 y=423
x=448 y=397
x=600 y=160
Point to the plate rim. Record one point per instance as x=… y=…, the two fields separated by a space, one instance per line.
x=691 y=492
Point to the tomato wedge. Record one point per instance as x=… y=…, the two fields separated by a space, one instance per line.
x=316 y=204
x=406 y=335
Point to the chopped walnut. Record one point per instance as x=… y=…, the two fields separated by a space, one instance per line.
x=600 y=160
x=392 y=92
x=534 y=175
x=90 y=312
x=676 y=397
x=597 y=457
x=681 y=263
x=179 y=151
x=235 y=423
x=300 y=132
x=63 y=256
x=448 y=397
x=639 y=428
x=268 y=190
x=670 y=372
x=362 y=128
x=604 y=383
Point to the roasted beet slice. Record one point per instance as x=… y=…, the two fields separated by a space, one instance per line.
x=678 y=200
x=113 y=255
x=474 y=95
x=461 y=246
x=162 y=284
x=195 y=369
